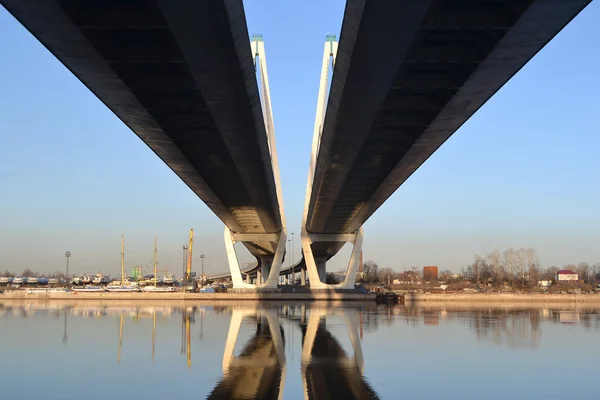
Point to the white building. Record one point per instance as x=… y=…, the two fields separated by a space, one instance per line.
x=566 y=275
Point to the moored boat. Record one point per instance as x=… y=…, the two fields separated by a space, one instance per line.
x=52 y=281
x=4 y=280
x=88 y=288
x=123 y=288
x=18 y=280
x=159 y=289
x=32 y=280
x=98 y=279
x=46 y=290
x=168 y=279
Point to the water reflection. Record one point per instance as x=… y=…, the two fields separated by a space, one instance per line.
x=327 y=371
x=511 y=326
x=257 y=342
x=259 y=371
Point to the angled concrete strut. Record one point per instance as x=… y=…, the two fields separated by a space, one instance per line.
x=316 y=273
x=270 y=266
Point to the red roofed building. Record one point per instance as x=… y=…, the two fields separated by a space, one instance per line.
x=566 y=275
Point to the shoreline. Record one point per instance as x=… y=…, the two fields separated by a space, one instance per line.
x=331 y=296
x=408 y=299
x=500 y=298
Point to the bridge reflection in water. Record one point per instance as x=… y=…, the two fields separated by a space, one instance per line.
x=327 y=372
x=259 y=371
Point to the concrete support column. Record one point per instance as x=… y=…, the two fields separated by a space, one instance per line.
x=316 y=265
x=265 y=268
x=321 y=268
x=270 y=265
x=248 y=280
x=302 y=276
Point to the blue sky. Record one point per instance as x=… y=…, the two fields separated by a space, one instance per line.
x=523 y=172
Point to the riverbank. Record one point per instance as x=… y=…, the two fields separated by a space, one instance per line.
x=316 y=295
x=499 y=298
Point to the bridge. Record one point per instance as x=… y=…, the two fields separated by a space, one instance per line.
x=406 y=76
x=182 y=76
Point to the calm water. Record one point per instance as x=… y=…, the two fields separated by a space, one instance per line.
x=296 y=351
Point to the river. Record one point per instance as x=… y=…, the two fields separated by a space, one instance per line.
x=62 y=350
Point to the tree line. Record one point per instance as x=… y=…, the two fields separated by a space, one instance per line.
x=371 y=273
x=512 y=266
x=521 y=266
x=28 y=273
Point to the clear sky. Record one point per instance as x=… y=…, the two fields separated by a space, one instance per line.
x=523 y=172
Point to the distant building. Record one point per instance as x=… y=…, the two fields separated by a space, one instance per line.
x=544 y=283
x=430 y=273
x=566 y=275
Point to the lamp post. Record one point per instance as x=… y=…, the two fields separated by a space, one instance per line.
x=293 y=272
x=202 y=261
x=183 y=281
x=68 y=255
x=292 y=248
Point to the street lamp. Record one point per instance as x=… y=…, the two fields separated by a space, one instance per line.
x=292 y=248
x=68 y=255
x=293 y=272
x=202 y=260
x=183 y=280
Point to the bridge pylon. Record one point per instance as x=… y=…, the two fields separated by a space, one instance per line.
x=268 y=274
x=315 y=268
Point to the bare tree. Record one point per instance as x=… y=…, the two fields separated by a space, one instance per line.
x=446 y=275
x=386 y=275
x=28 y=273
x=596 y=272
x=550 y=273
x=494 y=260
x=370 y=271
x=510 y=261
x=533 y=266
x=521 y=263
x=584 y=270
x=416 y=271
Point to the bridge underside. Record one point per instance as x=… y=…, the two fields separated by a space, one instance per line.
x=408 y=74
x=181 y=76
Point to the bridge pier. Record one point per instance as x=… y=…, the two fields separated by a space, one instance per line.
x=321 y=263
x=268 y=275
x=315 y=266
x=258 y=278
x=265 y=267
x=302 y=276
